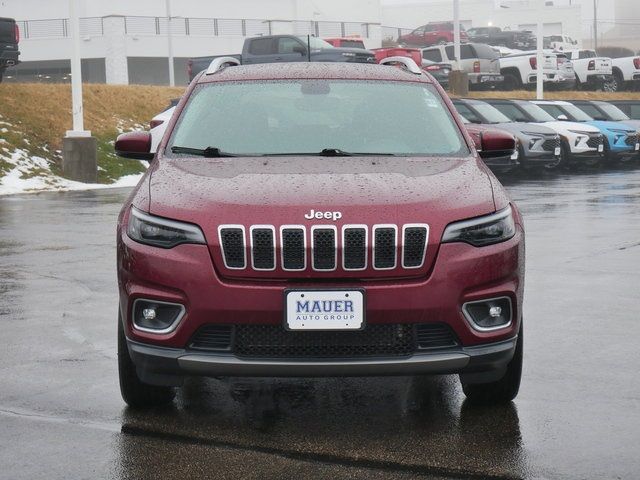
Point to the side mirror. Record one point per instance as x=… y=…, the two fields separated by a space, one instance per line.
x=300 y=49
x=134 y=145
x=497 y=144
x=563 y=118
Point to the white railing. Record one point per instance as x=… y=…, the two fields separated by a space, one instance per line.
x=181 y=26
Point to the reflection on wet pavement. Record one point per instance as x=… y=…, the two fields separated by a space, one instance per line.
x=577 y=415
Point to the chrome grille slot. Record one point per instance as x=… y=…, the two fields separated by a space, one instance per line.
x=233 y=246
x=414 y=245
x=324 y=248
x=384 y=247
x=354 y=247
x=293 y=248
x=263 y=247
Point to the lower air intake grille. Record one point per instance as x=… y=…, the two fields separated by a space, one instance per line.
x=213 y=338
x=551 y=144
x=631 y=140
x=595 y=140
x=273 y=341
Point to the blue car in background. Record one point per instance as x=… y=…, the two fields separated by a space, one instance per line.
x=621 y=140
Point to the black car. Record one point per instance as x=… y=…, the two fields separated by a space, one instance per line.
x=517 y=39
x=9 y=38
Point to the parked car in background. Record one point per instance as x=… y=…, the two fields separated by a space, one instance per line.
x=560 y=42
x=158 y=124
x=518 y=39
x=538 y=146
x=581 y=144
x=629 y=107
x=621 y=141
x=247 y=249
x=440 y=71
x=520 y=70
x=480 y=61
x=592 y=72
x=599 y=110
x=9 y=40
x=626 y=73
x=434 y=33
x=504 y=164
x=285 y=48
x=346 y=42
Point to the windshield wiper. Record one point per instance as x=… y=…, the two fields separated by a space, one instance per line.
x=209 y=152
x=330 y=152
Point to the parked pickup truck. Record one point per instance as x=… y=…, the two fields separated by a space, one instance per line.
x=520 y=70
x=626 y=73
x=480 y=61
x=592 y=72
x=346 y=42
x=519 y=39
x=9 y=38
x=286 y=48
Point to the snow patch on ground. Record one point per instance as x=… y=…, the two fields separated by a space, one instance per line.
x=33 y=174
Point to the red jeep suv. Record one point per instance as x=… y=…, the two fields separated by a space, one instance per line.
x=318 y=220
x=434 y=33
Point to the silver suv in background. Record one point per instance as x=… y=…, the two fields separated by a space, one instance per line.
x=480 y=61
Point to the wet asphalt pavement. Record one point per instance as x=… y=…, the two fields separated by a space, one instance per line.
x=577 y=415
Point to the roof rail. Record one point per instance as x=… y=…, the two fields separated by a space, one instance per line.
x=406 y=61
x=220 y=63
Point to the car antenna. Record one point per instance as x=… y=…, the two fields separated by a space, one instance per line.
x=309 y=48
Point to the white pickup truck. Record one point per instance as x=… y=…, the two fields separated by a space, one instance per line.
x=626 y=73
x=592 y=72
x=520 y=70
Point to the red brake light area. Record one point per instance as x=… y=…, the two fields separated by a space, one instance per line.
x=476 y=66
x=636 y=62
x=592 y=65
x=17 y=33
x=533 y=61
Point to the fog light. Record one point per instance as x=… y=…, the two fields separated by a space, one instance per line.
x=156 y=317
x=490 y=314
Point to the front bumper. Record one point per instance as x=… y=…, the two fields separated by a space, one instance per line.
x=168 y=366
x=485 y=79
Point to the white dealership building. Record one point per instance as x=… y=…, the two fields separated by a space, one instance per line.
x=125 y=41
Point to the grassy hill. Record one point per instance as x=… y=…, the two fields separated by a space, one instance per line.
x=35 y=117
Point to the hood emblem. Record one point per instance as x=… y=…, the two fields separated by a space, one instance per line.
x=323 y=215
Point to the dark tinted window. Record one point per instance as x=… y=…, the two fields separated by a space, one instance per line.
x=587 y=54
x=591 y=111
x=511 y=111
x=287 y=45
x=467 y=113
x=634 y=111
x=485 y=52
x=466 y=52
x=433 y=55
x=261 y=46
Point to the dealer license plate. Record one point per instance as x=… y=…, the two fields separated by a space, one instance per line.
x=324 y=310
x=637 y=146
x=557 y=151
x=601 y=148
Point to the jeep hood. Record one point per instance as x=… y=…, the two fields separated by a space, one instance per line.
x=281 y=190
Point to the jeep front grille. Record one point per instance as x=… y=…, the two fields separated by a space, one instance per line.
x=323 y=248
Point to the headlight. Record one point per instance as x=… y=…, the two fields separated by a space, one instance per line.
x=480 y=231
x=160 y=232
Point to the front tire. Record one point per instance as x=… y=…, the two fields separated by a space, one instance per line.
x=134 y=392
x=505 y=389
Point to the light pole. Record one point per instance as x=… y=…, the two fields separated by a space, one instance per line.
x=595 y=25
x=172 y=74
x=540 y=54
x=79 y=148
x=458 y=80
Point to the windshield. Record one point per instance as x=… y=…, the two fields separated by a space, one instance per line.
x=309 y=116
x=490 y=113
x=538 y=114
x=575 y=114
x=613 y=112
x=315 y=42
